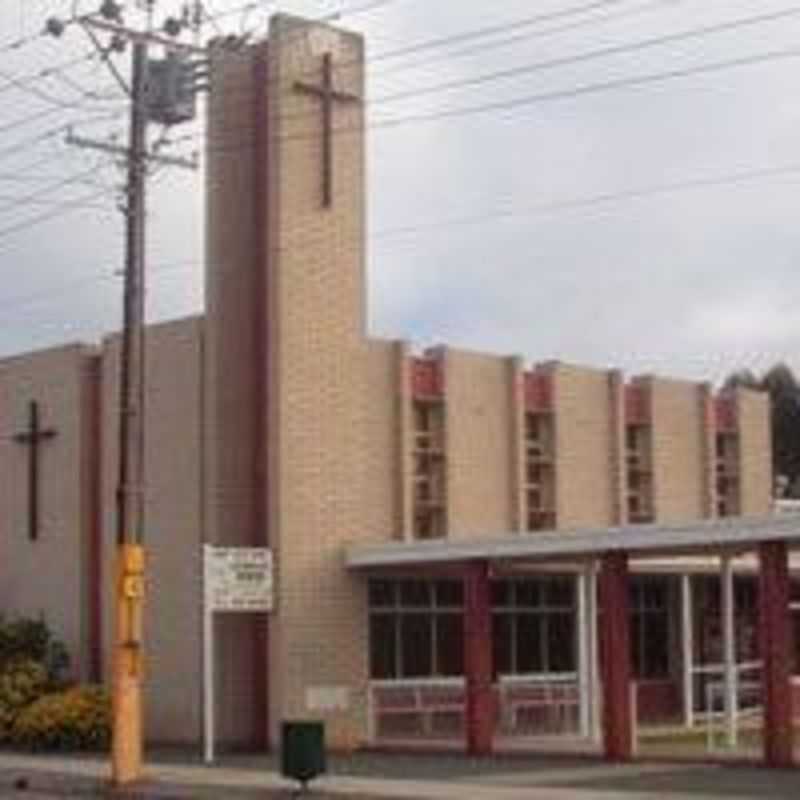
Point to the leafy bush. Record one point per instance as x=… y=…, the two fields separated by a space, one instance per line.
x=77 y=719
x=27 y=639
x=21 y=683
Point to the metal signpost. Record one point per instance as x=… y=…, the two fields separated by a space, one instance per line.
x=235 y=580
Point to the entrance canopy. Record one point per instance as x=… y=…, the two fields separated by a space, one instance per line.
x=696 y=538
x=605 y=555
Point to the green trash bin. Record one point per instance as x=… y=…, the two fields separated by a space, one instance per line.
x=302 y=750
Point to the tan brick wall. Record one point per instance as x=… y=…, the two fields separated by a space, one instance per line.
x=617 y=465
x=679 y=460
x=584 y=430
x=404 y=462
x=755 y=452
x=516 y=433
x=323 y=409
x=382 y=497
x=173 y=524
x=708 y=453
x=235 y=336
x=478 y=444
x=49 y=576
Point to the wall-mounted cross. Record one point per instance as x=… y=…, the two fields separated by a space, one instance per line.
x=327 y=94
x=33 y=437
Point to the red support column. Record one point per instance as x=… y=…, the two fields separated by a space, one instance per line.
x=615 y=657
x=776 y=652
x=478 y=660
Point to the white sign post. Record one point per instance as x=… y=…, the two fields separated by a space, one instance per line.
x=235 y=580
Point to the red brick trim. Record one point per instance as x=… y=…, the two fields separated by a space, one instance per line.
x=615 y=657
x=776 y=652
x=261 y=372
x=93 y=450
x=478 y=660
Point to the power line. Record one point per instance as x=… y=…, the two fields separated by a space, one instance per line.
x=524 y=101
x=21 y=301
x=24 y=173
x=51 y=187
x=59 y=210
x=601 y=199
x=48 y=112
x=590 y=55
x=16 y=81
x=20 y=42
x=491 y=30
x=601 y=53
x=470 y=35
x=8 y=177
x=50 y=133
x=653 y=5
x=10 y=202
x=598 y=200
x=366 y=8
x=41 y=94
x=14 y=149
x=593 y=88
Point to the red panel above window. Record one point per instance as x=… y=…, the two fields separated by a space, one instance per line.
x=427 y=379
x=637 y=405
x=538 y=391
x=725 y=413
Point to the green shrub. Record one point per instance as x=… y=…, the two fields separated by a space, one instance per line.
x=27 y=639
x=21 y=683
x=77 y=719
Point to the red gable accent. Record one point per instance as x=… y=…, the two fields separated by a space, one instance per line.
x=538 y=389
x=637 y=407
x=427 y=379
x=725 y=413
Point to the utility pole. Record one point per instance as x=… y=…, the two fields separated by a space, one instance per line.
x=127 y=739
x=161 y=91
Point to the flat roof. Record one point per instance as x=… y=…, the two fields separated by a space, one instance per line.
x=733 y=535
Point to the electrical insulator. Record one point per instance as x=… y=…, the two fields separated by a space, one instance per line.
x=173 y=26
x=111 y=11
x=54 y=27
x=118 y=43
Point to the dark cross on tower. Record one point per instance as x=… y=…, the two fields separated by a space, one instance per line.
x=327 y=94
x=33 y=437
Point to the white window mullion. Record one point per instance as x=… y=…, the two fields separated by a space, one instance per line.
x=434 y=649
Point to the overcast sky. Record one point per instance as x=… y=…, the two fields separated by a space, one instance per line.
x=479 y=236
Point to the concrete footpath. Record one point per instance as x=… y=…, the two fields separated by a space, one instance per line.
x=44 y=777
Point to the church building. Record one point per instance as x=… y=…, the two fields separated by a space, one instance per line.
x=423 y=508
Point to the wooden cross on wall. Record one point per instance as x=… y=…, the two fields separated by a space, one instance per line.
x=327 y=94
x=33 y=437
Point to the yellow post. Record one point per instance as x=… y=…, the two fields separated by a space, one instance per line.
x=126 y=746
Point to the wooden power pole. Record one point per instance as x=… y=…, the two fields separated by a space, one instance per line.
x=161 y=91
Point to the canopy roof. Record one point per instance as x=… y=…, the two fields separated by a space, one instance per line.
x=733 y=535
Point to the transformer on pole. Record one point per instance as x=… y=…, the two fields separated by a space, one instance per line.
x=161 y=91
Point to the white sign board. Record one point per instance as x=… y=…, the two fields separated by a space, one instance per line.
x=327 y=699
x=238 y=579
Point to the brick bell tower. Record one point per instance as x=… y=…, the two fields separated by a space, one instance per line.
x=284 y=362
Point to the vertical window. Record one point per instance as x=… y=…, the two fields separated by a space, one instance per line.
x=534 y=626
x=415 y=629
x=794 y=607
x=449 y=644
x=650 y=627
x=416 y=645
x=530 y=640
x=502 y=639
x=383 y=646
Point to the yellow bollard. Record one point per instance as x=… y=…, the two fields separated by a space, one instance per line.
x=127 y=733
